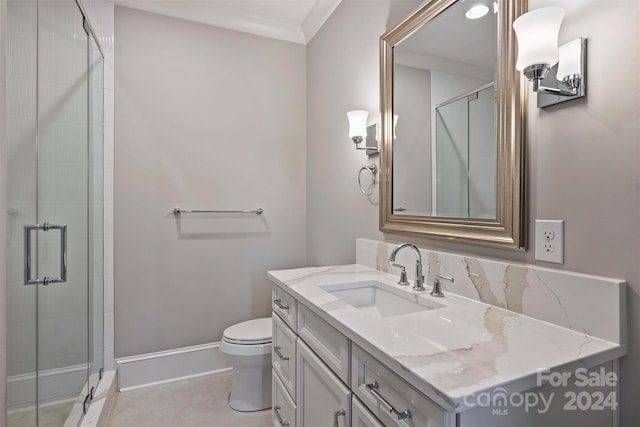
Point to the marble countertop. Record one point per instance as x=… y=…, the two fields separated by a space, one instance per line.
x=456 y=350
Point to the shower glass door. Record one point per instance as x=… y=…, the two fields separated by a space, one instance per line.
x=52 y=216
x=63 y=199
x=466 y=164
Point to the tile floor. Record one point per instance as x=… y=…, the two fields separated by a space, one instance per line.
x=200 y=402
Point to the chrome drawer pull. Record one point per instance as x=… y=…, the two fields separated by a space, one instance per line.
x=283 y=423
x=337 y=414
x=373 y=388
x=278 y=302
x=277 y=349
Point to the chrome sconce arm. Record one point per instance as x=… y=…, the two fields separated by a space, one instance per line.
x=572 y=82
x=560 y=84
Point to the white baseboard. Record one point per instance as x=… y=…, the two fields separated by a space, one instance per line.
x=168 y=366
x=55 y=385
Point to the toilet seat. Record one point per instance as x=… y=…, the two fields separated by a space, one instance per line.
x=250 y=338
x=246 y=342
x=251 y=332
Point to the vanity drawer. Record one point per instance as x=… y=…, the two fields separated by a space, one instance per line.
x=361 y=416
x=388 y=396
x=328 y=343
x=283 y=356
x=284 y=410
x=284 y=305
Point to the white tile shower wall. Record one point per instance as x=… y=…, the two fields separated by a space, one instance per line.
x=101 y=15
x=63 y=183
x=555 y=296
x=20 y=182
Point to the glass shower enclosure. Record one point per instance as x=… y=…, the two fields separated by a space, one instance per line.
x=465 y=153
x=55 y=213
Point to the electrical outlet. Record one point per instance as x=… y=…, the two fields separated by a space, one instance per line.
x=550 y=241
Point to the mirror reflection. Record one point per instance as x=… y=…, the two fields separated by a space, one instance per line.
x=444 y=95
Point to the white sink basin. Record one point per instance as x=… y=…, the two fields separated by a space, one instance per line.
x=375 y=301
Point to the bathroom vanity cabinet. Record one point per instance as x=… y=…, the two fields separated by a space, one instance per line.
x=322 y=379
x=306 y=391
x=336 y=364
x=310 y=386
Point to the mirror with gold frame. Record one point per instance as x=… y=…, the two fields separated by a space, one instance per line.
x=446 y=173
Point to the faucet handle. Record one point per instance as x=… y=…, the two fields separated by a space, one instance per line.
x=437 y=287
x=403 y=274
x=447 y=278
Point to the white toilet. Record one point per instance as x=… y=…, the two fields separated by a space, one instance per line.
x=247 y=347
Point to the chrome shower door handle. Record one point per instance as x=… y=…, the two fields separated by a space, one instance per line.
x=27 y=254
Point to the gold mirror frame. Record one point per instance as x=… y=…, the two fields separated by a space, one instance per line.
x=507 y=231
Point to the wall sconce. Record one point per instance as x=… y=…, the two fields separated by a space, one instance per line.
x=358 y=131
x=557 y=73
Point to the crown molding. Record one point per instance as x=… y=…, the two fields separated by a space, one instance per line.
x=247 y=22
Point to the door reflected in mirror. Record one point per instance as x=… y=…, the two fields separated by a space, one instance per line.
x=444 y=94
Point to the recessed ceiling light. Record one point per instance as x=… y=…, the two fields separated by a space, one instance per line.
x=477 y=11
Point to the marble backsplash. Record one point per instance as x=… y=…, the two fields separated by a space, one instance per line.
x=590 y=304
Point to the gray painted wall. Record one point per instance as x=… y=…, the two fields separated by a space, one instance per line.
x=3 y=207
x=205 y=118
x=412 y=146
x=582 y=157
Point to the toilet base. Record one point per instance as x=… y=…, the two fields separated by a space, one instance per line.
x=251 y=383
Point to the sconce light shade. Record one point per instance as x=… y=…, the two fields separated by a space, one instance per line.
x=569 y=64
x=357 y=124
x=537 y=32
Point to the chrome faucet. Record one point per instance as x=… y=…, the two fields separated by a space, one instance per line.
x=419 y=285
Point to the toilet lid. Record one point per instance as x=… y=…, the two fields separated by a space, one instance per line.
x=256 y=331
